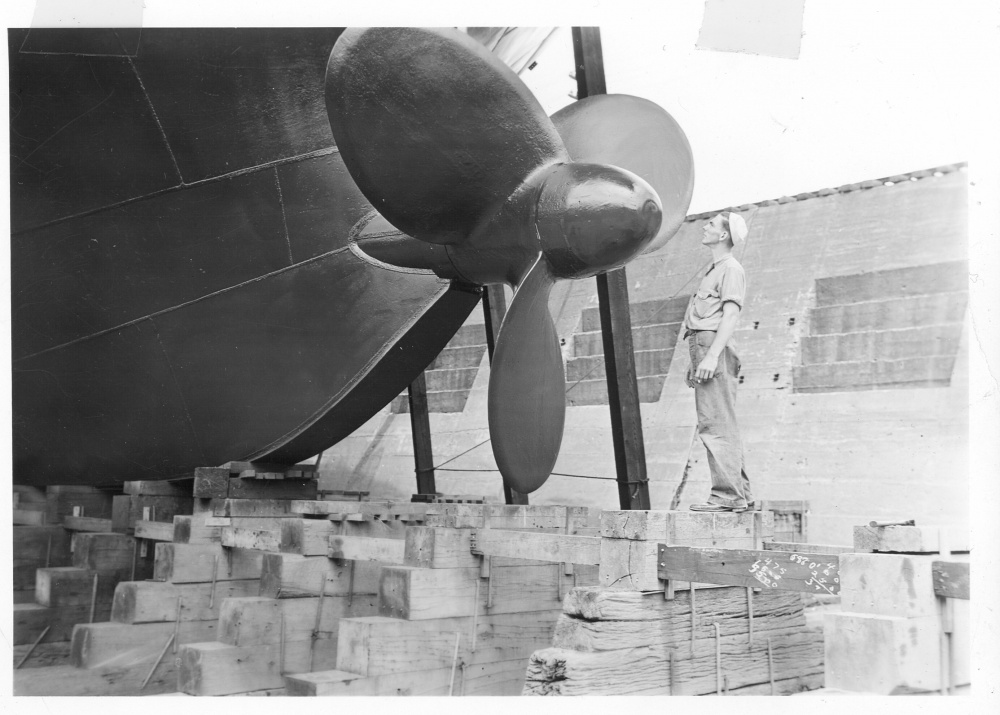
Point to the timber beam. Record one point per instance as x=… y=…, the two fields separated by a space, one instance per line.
x=782 y=570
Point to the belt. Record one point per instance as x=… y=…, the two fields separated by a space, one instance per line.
x=688 y=332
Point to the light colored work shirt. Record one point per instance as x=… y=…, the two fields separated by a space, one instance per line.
x=726 y=281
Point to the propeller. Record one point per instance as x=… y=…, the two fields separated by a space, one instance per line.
x=452 y=149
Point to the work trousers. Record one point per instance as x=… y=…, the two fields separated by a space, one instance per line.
x=715 y=399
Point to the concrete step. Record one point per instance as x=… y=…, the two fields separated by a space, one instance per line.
x=901 y=282
x=644 y=337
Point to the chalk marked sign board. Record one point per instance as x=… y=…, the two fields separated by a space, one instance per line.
x=781 y=570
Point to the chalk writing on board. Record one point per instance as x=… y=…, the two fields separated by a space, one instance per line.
x=767 y=571
x=820 y=572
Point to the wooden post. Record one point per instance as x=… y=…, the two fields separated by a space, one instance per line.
x=616 y=321
x=494 y=309
x=420 y=424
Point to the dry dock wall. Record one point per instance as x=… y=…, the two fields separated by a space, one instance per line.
x=854 y=348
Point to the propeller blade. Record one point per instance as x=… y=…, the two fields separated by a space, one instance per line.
x=436 y=131
x=527 y=392
x=637 y=135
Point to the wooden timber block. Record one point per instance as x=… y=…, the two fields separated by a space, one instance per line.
x=29 y=517
x=31 y=619
x=645 y=670
x=154 y=530
x=688 y=528
x=211 y=483
x=377 y=645
x=97 y=645
x=112 y=680
x=104 y=552
x=295 y=576
x=32 y=544
x=214 y=668
x=193 y=563
x=381 y=509
x=160 y=488
x=419 y=594
x=493 y=516
x=71 y=586
x=881 y=654
x=534 y=546
x=44 y=655
x=256 y=539
x=121 y=510
x=888 y=584
x=287 y=488
x=252 y=507
x=308 y=537
x=910 y=539
x=311 y=537
x=439 y=548
x=258 y=621
x=622 y=619
x=86 y=523
x=60 y=501
x=365 y=548
x=193 y=529
x=156 y=601
x=497 y=678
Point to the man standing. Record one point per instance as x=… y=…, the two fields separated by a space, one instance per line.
x=709 y=323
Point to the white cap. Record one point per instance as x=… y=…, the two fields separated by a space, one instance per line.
x=737 y=228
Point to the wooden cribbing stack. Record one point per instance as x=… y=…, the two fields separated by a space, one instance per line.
x=65 y=570
x=904 y=622
x=177 y=542
x=648 y=630
x=458 y=613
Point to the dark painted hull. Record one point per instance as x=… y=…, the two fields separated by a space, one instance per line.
x=182 y=289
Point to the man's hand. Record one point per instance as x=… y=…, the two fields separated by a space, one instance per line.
x=706 y=368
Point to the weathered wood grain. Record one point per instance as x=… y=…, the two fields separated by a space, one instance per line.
x=30 y=619
x=156 y=601
x=309 y=537
x=214 y=668
x=154 y=530
x=252 y=507
x=103 y=552
x=379 y=645
x=808 y=548
x=498 y=678
x=558 y=548
x=44 y=655
x=31 y=545
x=192 y=563
x=71 y=586
x=295 y=576
x=645 y=670
x=124 y=680
x=365 y=548
x=655 y=621
x=257 y=620
x=97 y=645
x=419 y=594
x=193 y=529
x=86 y=523
x=256 y=539
x=808 y=573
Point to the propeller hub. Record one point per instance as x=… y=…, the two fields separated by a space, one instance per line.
x=593 y=218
